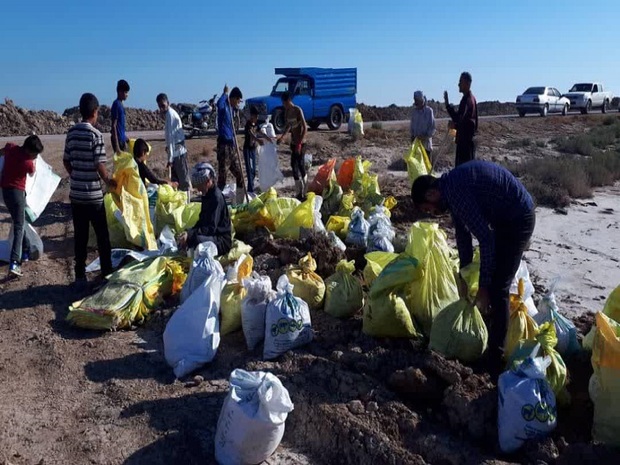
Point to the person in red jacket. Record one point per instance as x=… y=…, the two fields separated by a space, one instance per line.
x=18 y=163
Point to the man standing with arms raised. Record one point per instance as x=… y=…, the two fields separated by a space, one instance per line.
x=465 y=120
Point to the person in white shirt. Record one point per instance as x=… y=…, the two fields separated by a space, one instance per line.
x=175 y=144
x=422 y=122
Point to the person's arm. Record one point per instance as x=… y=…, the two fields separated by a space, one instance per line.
x=465 y=208
x=114 y=132
x=66 y=159
x=412 y=126
x=304 y=128
x=431 y=127
x=146 y=173
x=169 y=138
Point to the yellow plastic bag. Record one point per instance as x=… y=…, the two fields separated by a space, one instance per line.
x=417 y=161
x=347 y=204
x=116 y=230
x=459 y=332
x=557 y=373
x=386 y=313
x=389 y=203
x=436 y=288
x=521 y=325
x=134 y=202
x=605 y=382
x=186 y=216
x=339 y=225
x=168 y=200
x=308 y=285
x=332 y=198
x=611 y=309
x=375 y=262
x=236 y=251
x=279 y=209
x=471 y=275
x=301 y=217
x=130 y=294
x=343 y=291
x=233 y=294
x=361 y=168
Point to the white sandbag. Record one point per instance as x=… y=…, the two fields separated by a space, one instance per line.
x=267 y=164
x=336 y=242
x=253 y=308
x=36 y=244
x=564 y=328
x=351 y=121
x=380 y=231
x=524 y=274
x=358 y=229
x=526 y=403
x=287 y=322
x=192 y=335
x=40 y=187
x=203 y=265
x=166 y=242
x=252 y=419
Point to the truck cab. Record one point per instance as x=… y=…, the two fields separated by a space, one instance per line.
x=323 y=94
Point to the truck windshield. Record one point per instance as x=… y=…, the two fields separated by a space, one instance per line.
x=581 y=88
x=282 y=86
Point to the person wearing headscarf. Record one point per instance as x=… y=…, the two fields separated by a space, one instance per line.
x=422 y=122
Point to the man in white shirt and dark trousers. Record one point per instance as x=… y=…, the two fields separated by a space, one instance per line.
x=175 y=145
x=422 y=122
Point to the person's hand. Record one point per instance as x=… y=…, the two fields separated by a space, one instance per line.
x=451 y=125
x=445 y=97
x=169 y=164
x=225 y=88
x=111 y=183
x=182 y=240
x=260 y=141
x=173 y=184
x=483 y=300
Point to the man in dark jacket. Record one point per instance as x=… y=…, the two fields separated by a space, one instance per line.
x=214 y=221
x=465 y=121
x=488 y=202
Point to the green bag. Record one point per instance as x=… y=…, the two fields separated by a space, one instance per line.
x=459 y=332
x=343 y=291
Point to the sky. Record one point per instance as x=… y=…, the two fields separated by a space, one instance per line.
x=53 y=51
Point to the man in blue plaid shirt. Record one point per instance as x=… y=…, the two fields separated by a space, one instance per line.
x=488 y=202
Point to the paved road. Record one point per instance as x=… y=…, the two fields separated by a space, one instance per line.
x=151 y=135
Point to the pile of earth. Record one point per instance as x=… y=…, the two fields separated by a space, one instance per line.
x=398 y=113
x=16 y=121
x=137 y=119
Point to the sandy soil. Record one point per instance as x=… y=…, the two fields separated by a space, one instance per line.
x=69 y=396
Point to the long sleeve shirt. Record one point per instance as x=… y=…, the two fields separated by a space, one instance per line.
x=147 y=175
x=213 y=221
x=466 y=118
x=225 y=128
x=175 y=137
x=482 y=196
x=423 y=125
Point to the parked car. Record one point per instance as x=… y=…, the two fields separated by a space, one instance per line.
x=324 y=94
x=542 y=100
x=587 y=96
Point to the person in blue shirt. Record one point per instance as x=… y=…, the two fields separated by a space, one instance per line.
x=488 y=202
x=119 y=137
x=227 y=157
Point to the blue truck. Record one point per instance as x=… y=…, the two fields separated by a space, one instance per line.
x=324 y=94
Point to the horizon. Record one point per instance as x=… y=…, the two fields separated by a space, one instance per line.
x=397 y=49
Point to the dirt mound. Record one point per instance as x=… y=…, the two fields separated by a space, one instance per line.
x=397 y=113
x=16 y=121
x=137 y=119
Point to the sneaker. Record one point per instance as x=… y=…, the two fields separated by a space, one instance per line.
x=15 y=269
x=25 y=256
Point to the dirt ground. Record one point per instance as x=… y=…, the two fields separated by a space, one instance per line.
x=71 y=396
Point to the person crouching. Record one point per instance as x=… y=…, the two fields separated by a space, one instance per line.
x=214 y=221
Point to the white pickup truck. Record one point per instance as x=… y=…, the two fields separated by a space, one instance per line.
x=586 y=96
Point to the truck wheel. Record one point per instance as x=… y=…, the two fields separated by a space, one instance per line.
x=565 y=110
x=314 y=124
x=604 y=109
x=521 y=114
x=588 y=107
x=544 y=111
x=277 y=119
x=335 y=118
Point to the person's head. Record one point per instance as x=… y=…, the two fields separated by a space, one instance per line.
x=465 y=82
x=253 y=114
x=235 y=97
x=89 y=107
x=426 y=195
x=122 y=89
x=287 y=101
x=203 y=177
x=162 y=103
x=418 y=99
x=33 y=146
x=140 y=149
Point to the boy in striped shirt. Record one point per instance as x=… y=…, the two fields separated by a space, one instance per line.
x=84 y=160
